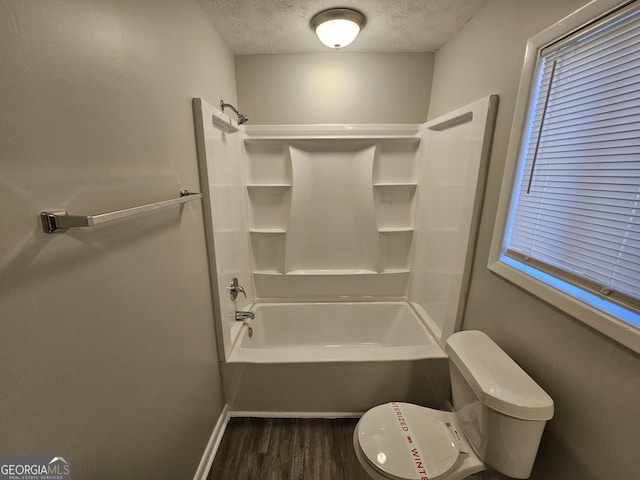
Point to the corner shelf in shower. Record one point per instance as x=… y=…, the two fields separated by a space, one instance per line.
x=394 y=206
x=267 y=249
x=395 y=185
x=269 y=207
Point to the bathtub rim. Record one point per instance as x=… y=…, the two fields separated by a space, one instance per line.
x=349 y=354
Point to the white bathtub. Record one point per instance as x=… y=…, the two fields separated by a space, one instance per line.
x=333 y=359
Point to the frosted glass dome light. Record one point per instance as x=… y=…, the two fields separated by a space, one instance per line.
x=338 y=27
x=337 y=33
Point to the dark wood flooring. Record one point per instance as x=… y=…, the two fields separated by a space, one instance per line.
x=287 y=449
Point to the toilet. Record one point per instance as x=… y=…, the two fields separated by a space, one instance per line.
x=498 y=417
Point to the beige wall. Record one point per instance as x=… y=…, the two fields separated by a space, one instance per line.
x=593 y=381
x=107 y=343
x=334 y=87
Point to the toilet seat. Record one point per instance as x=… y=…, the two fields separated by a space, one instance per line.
x=402 y=441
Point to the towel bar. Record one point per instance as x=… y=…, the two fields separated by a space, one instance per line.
x=53 y=222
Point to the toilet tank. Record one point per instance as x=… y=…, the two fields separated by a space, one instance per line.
x=501 y=410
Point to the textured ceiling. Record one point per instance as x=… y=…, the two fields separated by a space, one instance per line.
x=282 y=26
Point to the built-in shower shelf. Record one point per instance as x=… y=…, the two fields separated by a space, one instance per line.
x=287 y=138
x=341 y=272
x=408 y=185
x=277 y=231
x=400 y=132
x=273 y=186
x=348 y=271
x=395 y=230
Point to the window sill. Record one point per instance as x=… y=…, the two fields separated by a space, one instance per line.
x=598 y=313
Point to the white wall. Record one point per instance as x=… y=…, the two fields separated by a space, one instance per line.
x=335 y=87
x=224 y=188
x=593 y=381
x=453 y=168
x=107 y=343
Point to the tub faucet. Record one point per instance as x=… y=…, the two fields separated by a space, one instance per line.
x=240 y=315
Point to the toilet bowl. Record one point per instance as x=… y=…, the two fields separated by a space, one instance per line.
x=402 y=441
x=498 y=417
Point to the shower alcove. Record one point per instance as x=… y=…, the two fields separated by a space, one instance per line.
x=331 y=210
x=377 y=218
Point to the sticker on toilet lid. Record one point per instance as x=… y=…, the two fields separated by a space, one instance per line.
x=412 y=446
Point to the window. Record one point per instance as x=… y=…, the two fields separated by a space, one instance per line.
x=572 y=219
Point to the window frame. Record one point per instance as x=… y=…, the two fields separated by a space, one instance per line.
x=562 y=297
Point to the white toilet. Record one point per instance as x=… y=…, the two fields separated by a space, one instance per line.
x=498 y=419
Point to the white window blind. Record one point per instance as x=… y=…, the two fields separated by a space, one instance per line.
x=576 y=205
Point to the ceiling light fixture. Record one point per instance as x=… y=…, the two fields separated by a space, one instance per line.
x=338 y=27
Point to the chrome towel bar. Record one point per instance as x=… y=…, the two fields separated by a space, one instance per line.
x=53 y=222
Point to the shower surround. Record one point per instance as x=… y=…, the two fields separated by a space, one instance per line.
x=340 y=214
x=331 y=209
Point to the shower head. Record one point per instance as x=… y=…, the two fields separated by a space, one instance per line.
x=241 y=118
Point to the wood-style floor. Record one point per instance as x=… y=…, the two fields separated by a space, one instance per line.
x=287 y=449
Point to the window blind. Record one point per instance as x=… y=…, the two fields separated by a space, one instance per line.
x=576 y=205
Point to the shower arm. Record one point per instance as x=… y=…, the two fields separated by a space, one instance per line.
x=241 y=118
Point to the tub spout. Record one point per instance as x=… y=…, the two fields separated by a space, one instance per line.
x=240 y=316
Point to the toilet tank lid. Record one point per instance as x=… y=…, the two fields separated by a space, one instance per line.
x=496 y=379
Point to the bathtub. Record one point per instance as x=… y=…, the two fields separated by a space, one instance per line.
x=333 y=359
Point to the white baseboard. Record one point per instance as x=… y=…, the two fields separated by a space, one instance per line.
x=296 y=414
x=212 y=446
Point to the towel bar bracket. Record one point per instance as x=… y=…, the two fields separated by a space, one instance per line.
x=51 y=221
